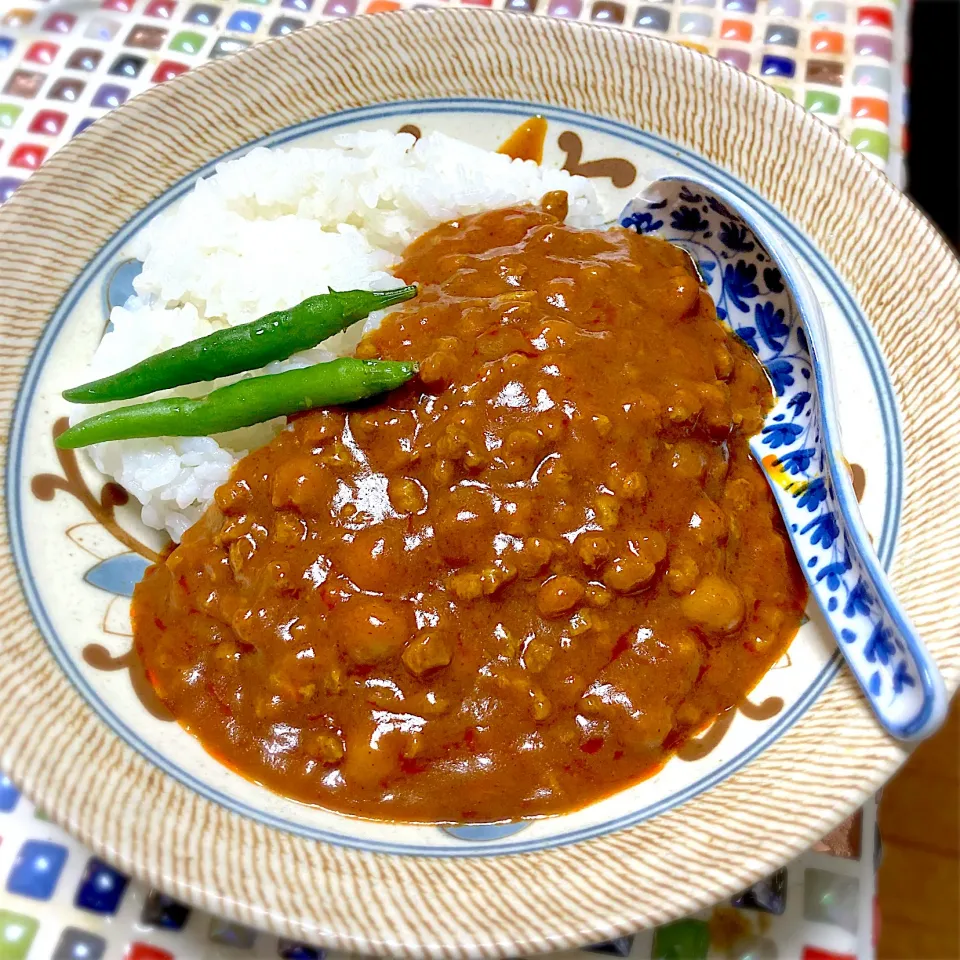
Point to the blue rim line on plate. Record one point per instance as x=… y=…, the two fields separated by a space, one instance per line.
x=825 y=273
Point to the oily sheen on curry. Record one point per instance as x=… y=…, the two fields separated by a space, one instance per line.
x=512 y=586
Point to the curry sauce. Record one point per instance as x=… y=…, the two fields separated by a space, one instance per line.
x=514 y=585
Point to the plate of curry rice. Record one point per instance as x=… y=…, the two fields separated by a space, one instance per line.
x=384 y=561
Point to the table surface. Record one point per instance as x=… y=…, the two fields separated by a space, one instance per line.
x=918 y=888
x=59 y=901
x=64 y=64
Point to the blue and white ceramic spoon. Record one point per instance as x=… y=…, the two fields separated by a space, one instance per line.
x=763 y=295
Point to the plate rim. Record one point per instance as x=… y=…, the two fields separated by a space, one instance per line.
x=623 y=891
x=107 y=254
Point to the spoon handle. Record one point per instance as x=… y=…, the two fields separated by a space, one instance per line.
x=881 y=647
x=763 y=295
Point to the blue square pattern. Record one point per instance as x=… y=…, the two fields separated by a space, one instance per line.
x=7 y=187
x=75 y=944
x=284 y=25
x=772 y=66
x=9 y=795
x=768 y=895
x=784 y=8
x=206 y=14
x=291 y=950
x=781 y=35
x=127 y=65
x=37 y=869
x=160 y=910
x=244 y=21
x=227 y=45
x=695 y=24
x=6 y=46
x=101 y=28
x=868 y=75
x=652 y=18
x=831 y=898
x=101 y=888
x=110 y=95
x=828 y=11
x=618 y=947
x=231 y=934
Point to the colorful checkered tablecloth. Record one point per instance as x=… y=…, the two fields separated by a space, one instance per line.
x=63 y=64
x=60 y=902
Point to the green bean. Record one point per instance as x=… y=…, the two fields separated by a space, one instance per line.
x=247 y=346
x=243 y=403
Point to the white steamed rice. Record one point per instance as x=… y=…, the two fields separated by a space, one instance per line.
x=266 y=231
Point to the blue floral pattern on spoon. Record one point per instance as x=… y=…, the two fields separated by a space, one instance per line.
x=762 y=294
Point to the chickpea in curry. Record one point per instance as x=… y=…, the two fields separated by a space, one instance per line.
x=513 y=586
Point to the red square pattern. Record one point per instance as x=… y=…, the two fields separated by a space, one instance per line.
x=146 y=951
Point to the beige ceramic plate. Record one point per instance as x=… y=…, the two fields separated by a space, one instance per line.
x=752 y=792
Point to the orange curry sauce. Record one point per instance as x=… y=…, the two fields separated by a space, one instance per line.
x=513 y=586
